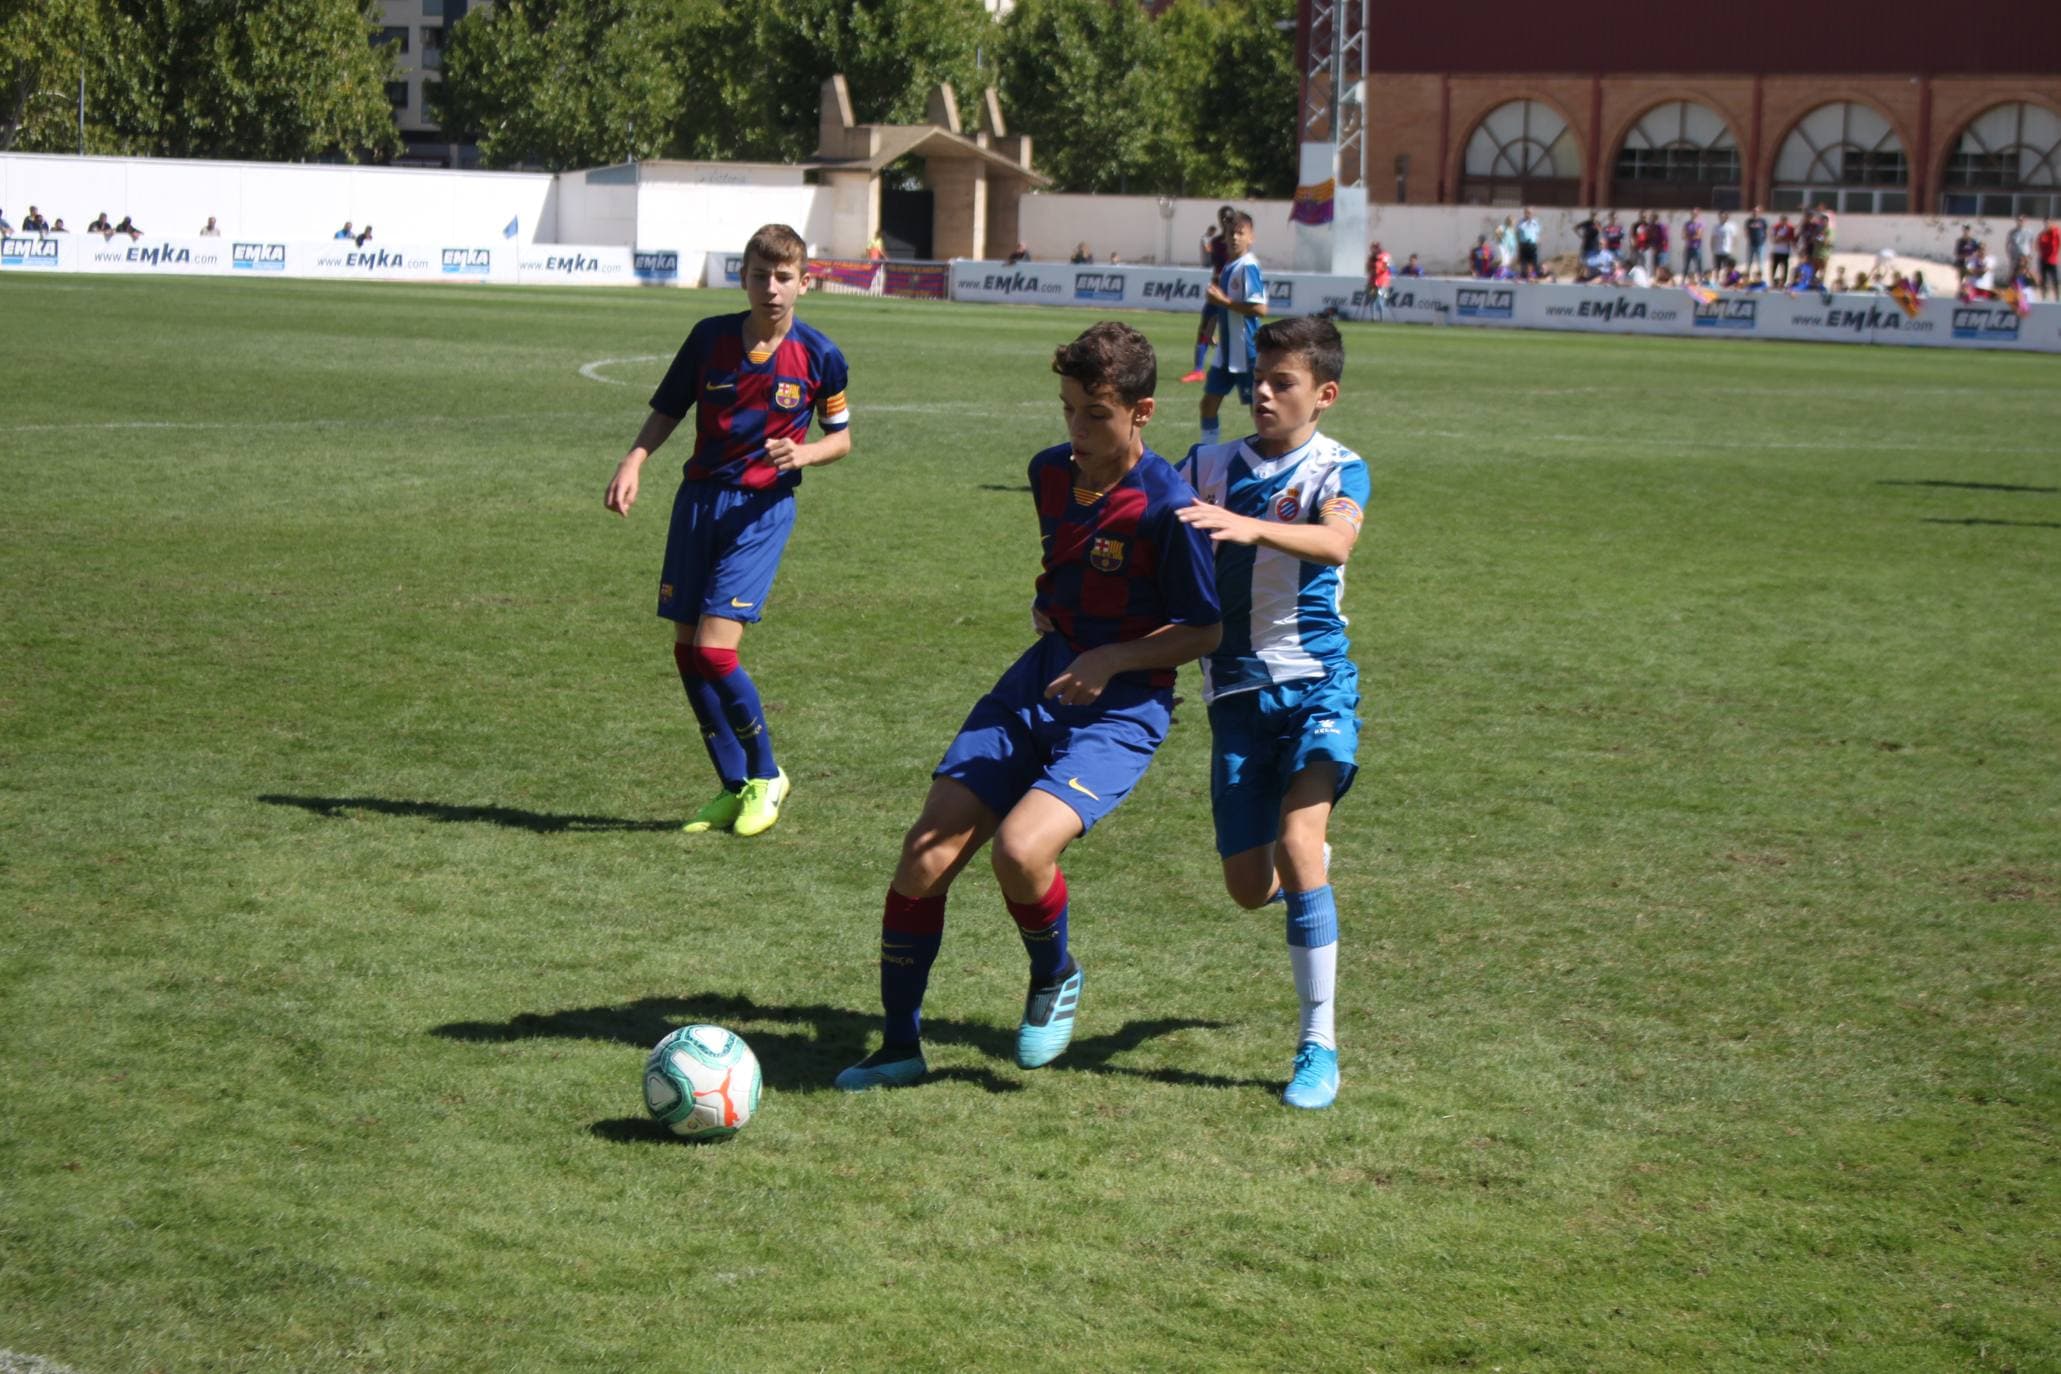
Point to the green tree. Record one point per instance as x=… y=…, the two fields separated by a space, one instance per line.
x=763 y=67
x=47 y=47
x=562 y=84
x=1081 y=77
x=569 y=83
x=260 y=79
x=1229 y=68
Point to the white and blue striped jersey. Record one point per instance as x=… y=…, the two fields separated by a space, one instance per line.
x=1241 y=281
x=1283 y=617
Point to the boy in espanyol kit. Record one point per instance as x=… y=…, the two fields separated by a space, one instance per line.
x=755 y=380
x=1129 y=594
x=1240 y=295
x=1284 y=507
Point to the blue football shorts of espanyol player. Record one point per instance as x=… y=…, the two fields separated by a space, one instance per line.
x=1091 y=757
x=1262 y=738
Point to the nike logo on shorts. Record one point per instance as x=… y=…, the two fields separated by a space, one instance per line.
x=741 y=605
x=1075 y=784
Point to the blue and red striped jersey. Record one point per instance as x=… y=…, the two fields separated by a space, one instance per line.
x=1118 y=565
x=741 y=402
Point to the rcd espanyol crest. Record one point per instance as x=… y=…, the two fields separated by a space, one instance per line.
x=1288 y=505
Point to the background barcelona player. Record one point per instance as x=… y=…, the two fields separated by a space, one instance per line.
x=755 y=379
x=1063 y=737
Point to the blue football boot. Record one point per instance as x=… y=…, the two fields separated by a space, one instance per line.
x=1047 y=1027
x=1315 y=1081
x=887 y=1067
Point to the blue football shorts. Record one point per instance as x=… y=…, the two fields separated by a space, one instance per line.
x=1090 y=757
x=1260 y=740
x=1222 y=379
x=722 y=551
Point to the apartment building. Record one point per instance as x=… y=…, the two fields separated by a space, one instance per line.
x=415 y=30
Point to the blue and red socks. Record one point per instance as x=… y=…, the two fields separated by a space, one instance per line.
x=911 y=929
x=724 y=753
x=1042 y=924
x=736 y=713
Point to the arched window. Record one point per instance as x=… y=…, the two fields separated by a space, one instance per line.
x=2008 y=162
x=1678 y=155
x=1521 y=154
x=1846 y=156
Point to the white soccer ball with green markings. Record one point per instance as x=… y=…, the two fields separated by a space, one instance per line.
x=702 y=1083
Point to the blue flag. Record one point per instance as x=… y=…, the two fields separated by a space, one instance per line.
x=514 y=226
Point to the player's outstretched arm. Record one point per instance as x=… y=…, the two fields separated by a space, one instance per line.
x=622 y=488
x=1329 y=543
x=1169 y=646
x=788 y=456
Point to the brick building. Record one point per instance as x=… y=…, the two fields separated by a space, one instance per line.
x=1889 y=107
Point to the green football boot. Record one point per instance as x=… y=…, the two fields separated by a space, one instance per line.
x=758 y=805
x=719 y=814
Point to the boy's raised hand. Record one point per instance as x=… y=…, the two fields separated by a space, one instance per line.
x=1223 y=526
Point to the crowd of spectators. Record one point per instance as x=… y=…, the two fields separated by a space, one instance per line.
x=35 y=222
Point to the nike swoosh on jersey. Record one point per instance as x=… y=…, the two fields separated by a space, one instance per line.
x=1075 y=784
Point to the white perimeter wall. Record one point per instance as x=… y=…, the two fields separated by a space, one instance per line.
x=173 y=197
x=707 y=208
x=682 y=207
x=1132 y=227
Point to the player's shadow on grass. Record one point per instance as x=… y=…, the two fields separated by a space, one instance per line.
x=1961 y=486
x=801 y=1048
x=515 y=818
x=2013 y=524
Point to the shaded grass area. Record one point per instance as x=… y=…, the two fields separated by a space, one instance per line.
x=1699 y=976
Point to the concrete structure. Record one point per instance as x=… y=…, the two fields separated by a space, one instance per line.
x=414 y=31
x=1888 y=106
x=977 y=181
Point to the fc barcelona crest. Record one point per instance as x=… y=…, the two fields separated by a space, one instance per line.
x=1106 y=555
x=787 y=395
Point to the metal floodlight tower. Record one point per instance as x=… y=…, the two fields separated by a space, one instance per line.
x=1332 y=129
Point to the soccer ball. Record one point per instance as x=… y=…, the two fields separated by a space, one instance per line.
x=702 y=1083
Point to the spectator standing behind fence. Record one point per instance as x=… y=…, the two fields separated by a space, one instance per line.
x=1640 y=242
x=364 y=236
x=1528 y=246
x=101 y=226
x=58 y=227
x=2017 y=246
x=1724 y=246
x=34 y=223
x=1692 y=244
x=346 y=232
x=209 y=231
x=876 y=249
x=1964 y=253
x=1506 y=247
x=5 y=227
x=1082 y=254
x=1378 y=276
x=2049 y=246
x=1613 y=235
x=128 y=226
x=1782 y=238
x=1411 y=267
x=1656 y=237
x=1756 y=242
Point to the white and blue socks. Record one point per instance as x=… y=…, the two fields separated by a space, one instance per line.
x=1313 y=961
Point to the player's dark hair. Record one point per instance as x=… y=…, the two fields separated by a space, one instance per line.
x=777 y=246
x=1308 y=337
x=1110 y=356
x=1238 y=219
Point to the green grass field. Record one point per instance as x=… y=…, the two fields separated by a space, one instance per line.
x=1699 y=980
